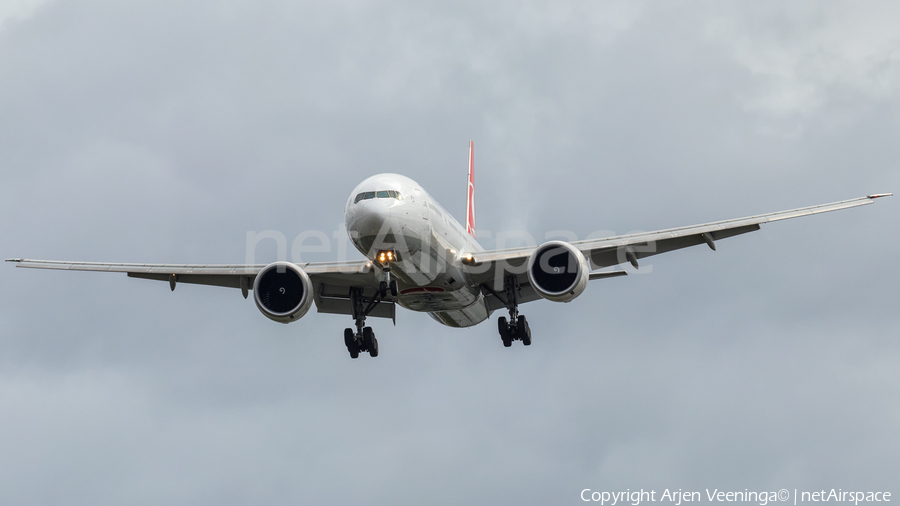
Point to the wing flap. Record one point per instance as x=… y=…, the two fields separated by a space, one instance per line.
x=334 y=305
x=527 y=294
x=224 y=280
x=335 y=299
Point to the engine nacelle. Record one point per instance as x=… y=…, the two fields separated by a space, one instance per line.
x=283 y=292
x=558 y=271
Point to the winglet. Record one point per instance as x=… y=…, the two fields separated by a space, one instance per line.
x=470 y=193
x=14 y=259
x=879 y=195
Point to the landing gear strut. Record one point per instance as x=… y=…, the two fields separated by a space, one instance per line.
x=364 y=337
x=516 y=328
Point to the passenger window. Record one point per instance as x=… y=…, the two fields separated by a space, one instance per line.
x=369 y=195
x=358 y=198
x=383 y=195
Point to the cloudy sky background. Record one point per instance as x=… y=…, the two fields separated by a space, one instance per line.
x=165 y=131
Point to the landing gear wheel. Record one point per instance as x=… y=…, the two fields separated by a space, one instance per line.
x=523 y=331
x=349 y=338
x=383 y=288
x=368 y=338
x=393 y=287
x=350 y=341
x=503 y=328
x=369 y=343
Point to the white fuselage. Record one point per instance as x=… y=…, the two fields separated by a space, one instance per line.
x=390 y=212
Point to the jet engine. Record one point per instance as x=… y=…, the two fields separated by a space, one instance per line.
x=283 y=292
x=558 y=271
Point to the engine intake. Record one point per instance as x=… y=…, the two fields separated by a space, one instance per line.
x=558 y=271
x=283 y=292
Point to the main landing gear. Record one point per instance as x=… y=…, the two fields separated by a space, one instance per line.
x=517 y=328
x=364 y=337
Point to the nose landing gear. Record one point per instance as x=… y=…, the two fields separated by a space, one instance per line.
x=384 y=287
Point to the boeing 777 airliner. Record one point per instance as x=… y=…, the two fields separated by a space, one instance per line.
x=419 y=257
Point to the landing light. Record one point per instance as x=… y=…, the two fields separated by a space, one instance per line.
x=385 y=257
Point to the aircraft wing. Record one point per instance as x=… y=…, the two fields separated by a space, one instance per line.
x=610 y=251
x=331 y=280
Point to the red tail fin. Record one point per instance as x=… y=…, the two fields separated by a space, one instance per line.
x=470 y=200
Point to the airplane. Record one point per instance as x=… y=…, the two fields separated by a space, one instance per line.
x=419 y=257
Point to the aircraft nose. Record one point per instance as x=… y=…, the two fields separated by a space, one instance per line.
x=372 y=217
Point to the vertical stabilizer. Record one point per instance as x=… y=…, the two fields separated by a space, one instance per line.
x=470 y=198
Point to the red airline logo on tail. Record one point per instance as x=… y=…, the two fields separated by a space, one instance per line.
x=470 y=200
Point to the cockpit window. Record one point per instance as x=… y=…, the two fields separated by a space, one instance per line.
x=382 y=194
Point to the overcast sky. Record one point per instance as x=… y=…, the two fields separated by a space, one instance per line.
x=164 y=131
